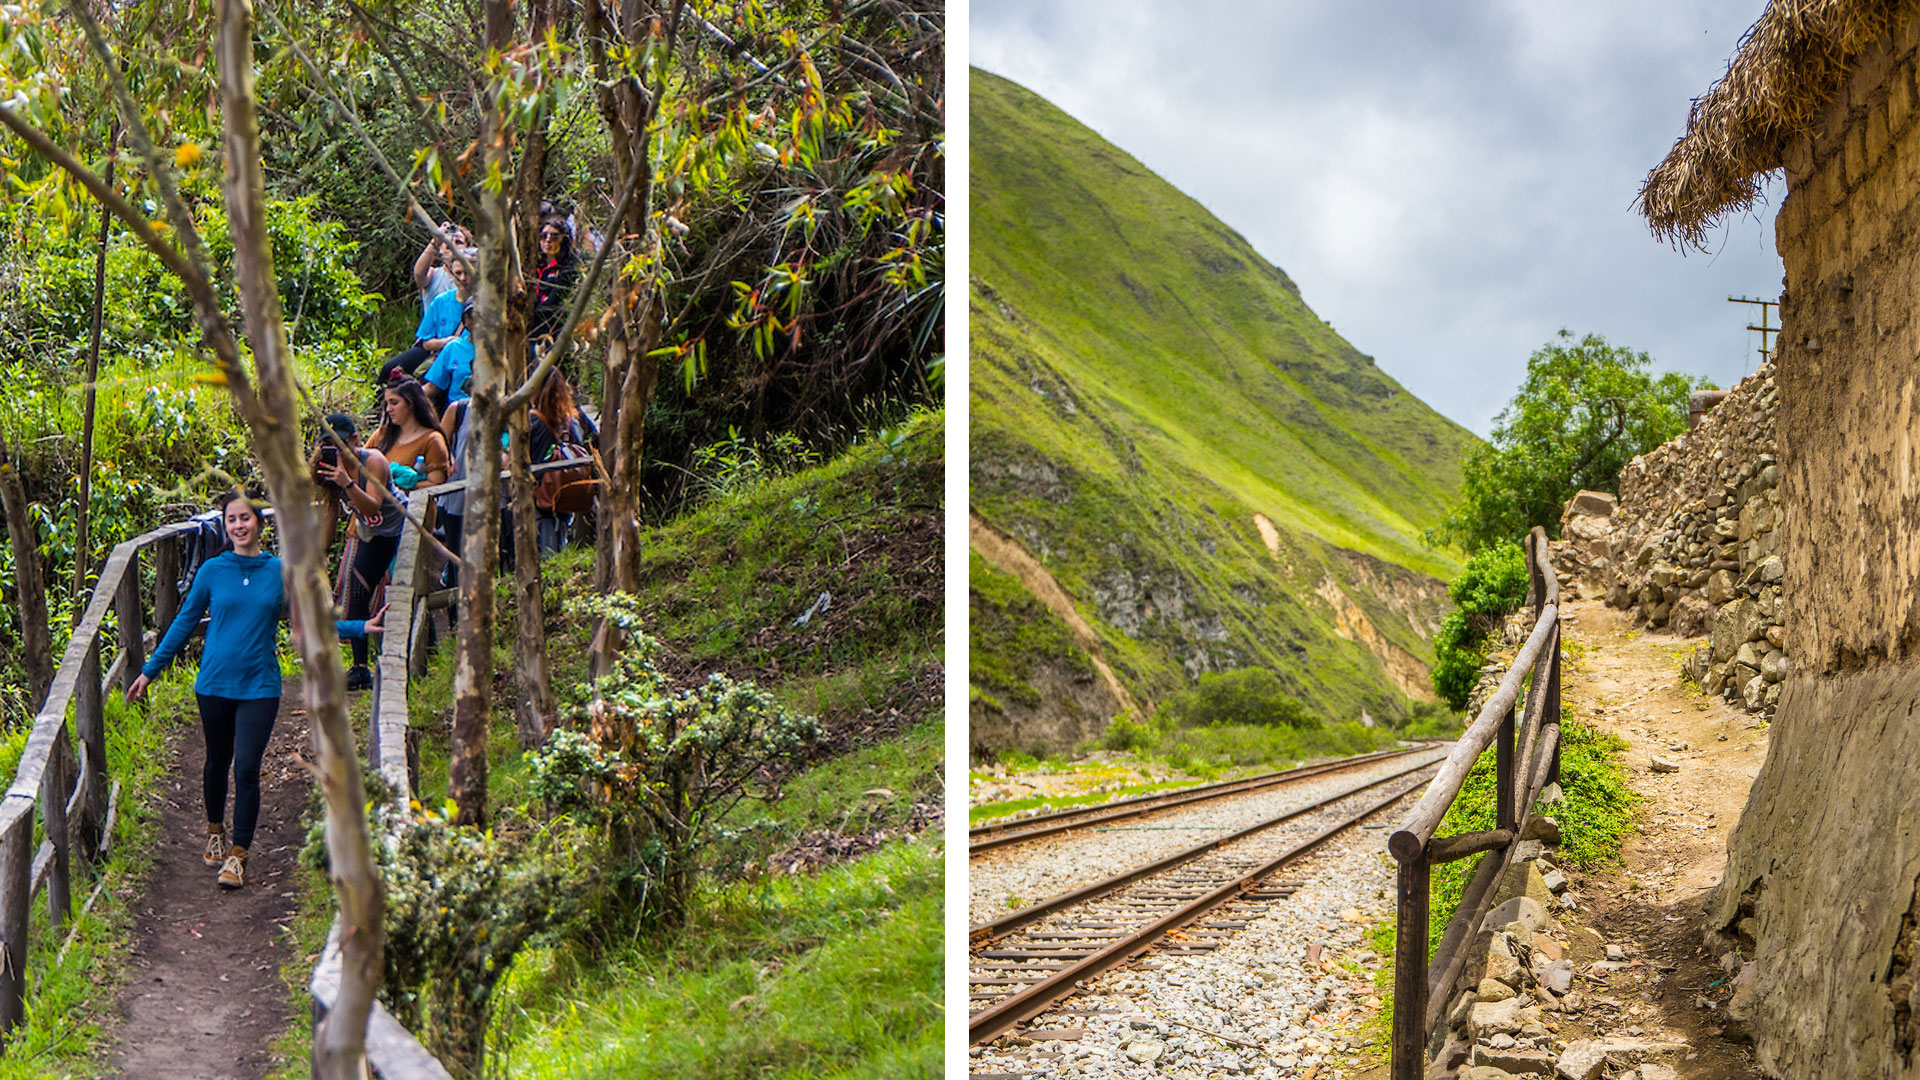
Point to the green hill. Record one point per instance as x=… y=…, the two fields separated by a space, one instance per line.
x=1144 y=387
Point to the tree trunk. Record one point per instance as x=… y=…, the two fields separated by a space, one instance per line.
x=500 y=338
x=28 y=582
x=534 y=709
x=631 y=372
x=83 y=545
x=340 y=1041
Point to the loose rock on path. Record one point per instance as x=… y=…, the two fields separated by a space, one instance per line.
x=204 y=999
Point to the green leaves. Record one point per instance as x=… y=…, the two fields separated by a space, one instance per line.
x=1493 y=583
x=1585 y=409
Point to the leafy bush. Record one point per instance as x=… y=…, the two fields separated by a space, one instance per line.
x=461 y=903
x=1249 y=696
x=1491 y=585
x=1126 y=733
x=655 y=769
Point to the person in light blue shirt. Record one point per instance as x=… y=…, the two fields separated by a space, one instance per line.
x=439 y=326
x=243 y=596
x=446 y=381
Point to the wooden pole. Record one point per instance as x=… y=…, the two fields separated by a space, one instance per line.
x=1410 y=971
x=166 y=590
x=126 y=601
x=55 y=785
x=89 y=724
x=1504 y=805
x=16 y=874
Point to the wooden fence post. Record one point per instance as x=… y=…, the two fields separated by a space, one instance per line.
x=16 y=878
x=1410 y=970
x=1506 y=804
x=56 y=784
x=166 y=591
x=89 y=724
x=126 y=602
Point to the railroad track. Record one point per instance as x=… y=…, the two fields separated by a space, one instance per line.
x=999 y=834
x=1025 y=961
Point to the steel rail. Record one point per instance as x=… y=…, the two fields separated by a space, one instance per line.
x=980 y=933
x=999 y=834
x=1037 y=998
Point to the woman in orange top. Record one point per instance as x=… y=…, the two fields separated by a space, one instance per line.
x=410 y=433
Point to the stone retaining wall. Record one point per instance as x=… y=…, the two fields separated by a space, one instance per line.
x=1690 y=545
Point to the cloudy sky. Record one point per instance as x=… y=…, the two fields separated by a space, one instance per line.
x=1449 y=183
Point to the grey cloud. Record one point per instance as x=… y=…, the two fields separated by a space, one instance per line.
x=1449 y=183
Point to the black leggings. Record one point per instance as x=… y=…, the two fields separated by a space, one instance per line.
x=237 y=733
x=408 y=360
x=371 y=559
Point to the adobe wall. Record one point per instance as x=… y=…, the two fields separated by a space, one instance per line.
x=1819 y=895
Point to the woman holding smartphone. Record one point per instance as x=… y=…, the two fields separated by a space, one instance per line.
x=242 y=595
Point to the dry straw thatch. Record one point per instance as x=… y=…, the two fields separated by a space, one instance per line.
x=1790 y=65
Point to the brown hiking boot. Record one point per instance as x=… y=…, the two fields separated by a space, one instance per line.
x=233 y=872
x=216 y=844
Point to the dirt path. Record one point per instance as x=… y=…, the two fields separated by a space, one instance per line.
x=204 y=999
x=1628 y=683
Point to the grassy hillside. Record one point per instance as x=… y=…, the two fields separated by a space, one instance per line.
x=1143 y=385
x=813 y=946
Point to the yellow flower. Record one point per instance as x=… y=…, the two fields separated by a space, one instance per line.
x=186 y=155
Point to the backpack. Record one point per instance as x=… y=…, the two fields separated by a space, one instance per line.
x=203 y=543
x=570 y=490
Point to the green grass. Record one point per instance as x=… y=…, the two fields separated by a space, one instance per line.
x=1143 y=384
x=69 y=1002
x=831 y=975
x=1594 y=819
x=980 y=815
x=843 y=966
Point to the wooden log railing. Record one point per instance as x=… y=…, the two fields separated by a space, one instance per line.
x=1526 y=759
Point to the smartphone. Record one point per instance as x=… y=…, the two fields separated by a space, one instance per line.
x=329 y=456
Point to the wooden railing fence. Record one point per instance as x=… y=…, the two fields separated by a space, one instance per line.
x=1527 y=758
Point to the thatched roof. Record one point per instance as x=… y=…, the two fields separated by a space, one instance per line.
x=1790 y=65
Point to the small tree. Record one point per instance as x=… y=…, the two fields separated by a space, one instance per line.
x=659 y=768
x=1585 y=410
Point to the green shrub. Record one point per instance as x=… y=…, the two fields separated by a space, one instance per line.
x=1251 y=696
x=656 y=768
x=1126 y=733
x=1492 y=584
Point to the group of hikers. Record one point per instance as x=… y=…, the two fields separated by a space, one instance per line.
x=419 y=440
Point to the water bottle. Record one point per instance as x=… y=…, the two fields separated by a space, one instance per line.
x=420 y=466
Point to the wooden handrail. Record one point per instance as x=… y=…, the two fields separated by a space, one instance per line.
x=1527 y=758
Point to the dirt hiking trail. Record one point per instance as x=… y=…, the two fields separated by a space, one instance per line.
x=204 y=999
x=1627 y=682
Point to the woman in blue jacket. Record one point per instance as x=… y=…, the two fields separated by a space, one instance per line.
x=244 y=597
